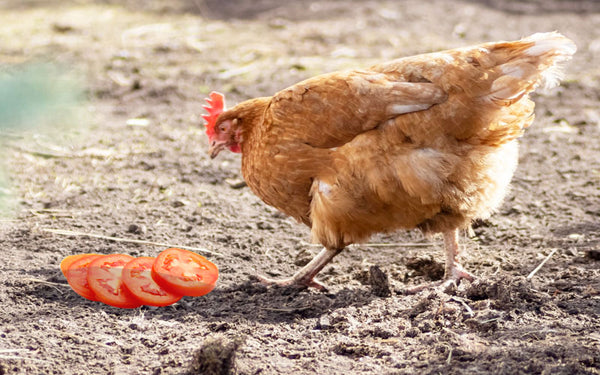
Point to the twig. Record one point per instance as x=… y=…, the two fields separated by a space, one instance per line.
x=119 y=239
x=467 y=307
x=43 y=154
x=393 y=244
x=398 y=244
x=541 y=264
x=490 y=320
x=54 y=213
x=49 y=283
x=449 y=358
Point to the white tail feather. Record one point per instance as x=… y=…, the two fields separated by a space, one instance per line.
x=552 y=42
x=540 y=62
x=555 y=48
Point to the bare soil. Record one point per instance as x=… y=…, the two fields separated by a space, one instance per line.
x=151 y=180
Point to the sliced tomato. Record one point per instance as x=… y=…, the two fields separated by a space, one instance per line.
x=137 y=276
x=75 y=268
x=66 y=262
x=104 y=278
x=184 y=272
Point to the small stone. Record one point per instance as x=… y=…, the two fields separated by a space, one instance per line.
x=137 y=229
x=236 y=183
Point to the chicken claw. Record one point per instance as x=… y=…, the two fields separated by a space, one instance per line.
x=305 y=277
x=292 y=281
x=454 y=271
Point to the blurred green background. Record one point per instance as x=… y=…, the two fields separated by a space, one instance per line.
x=36 y=100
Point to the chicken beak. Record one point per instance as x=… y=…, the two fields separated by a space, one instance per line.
x=215 y=148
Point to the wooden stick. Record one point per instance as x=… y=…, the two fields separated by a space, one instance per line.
x=119 y=239
x=49 y=283
x=370 y=244
x=397 y=244
x=541 y=264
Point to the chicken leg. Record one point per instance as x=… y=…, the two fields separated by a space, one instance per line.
x=306 y=276
x=454 y=271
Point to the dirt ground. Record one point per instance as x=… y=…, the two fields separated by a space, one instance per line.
x=99 y=172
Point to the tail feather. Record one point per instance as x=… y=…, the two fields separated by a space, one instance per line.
x=551 y=44
x=552 y=49
x=529 y=63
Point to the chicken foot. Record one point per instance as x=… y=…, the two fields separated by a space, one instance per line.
x=454 y=271
x=305 y=276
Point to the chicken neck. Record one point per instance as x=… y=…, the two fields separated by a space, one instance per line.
x=305 y=277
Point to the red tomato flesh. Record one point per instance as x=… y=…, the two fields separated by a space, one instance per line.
x=138 y=279
x=76 y=270
x=66 y=263
x=104 y=278
x=184 y=272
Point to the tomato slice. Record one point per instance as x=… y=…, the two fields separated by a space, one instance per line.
x=66 y=263
x=76 y=270
x=104 y=278
x=184 y=272
x=138 y=280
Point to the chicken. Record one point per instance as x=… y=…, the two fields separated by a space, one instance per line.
x=427 y=142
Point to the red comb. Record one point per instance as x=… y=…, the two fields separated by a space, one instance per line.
x=216 y=102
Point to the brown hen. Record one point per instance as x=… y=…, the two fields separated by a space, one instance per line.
x=427 y=142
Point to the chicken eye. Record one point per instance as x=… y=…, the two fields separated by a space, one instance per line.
x=222 y=128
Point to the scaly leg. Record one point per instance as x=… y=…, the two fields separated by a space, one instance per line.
x=305 y=277
x=454 y=272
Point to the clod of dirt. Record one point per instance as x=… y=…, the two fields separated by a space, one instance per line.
x=483 y=324
x=215 y=357
x=412 y=332
x=303 y=258
x=424 y=304
x=593 y=254
x=377 y=332
x=506 y=292
x=380 y=286
x=351 y=350
x=427 y=267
